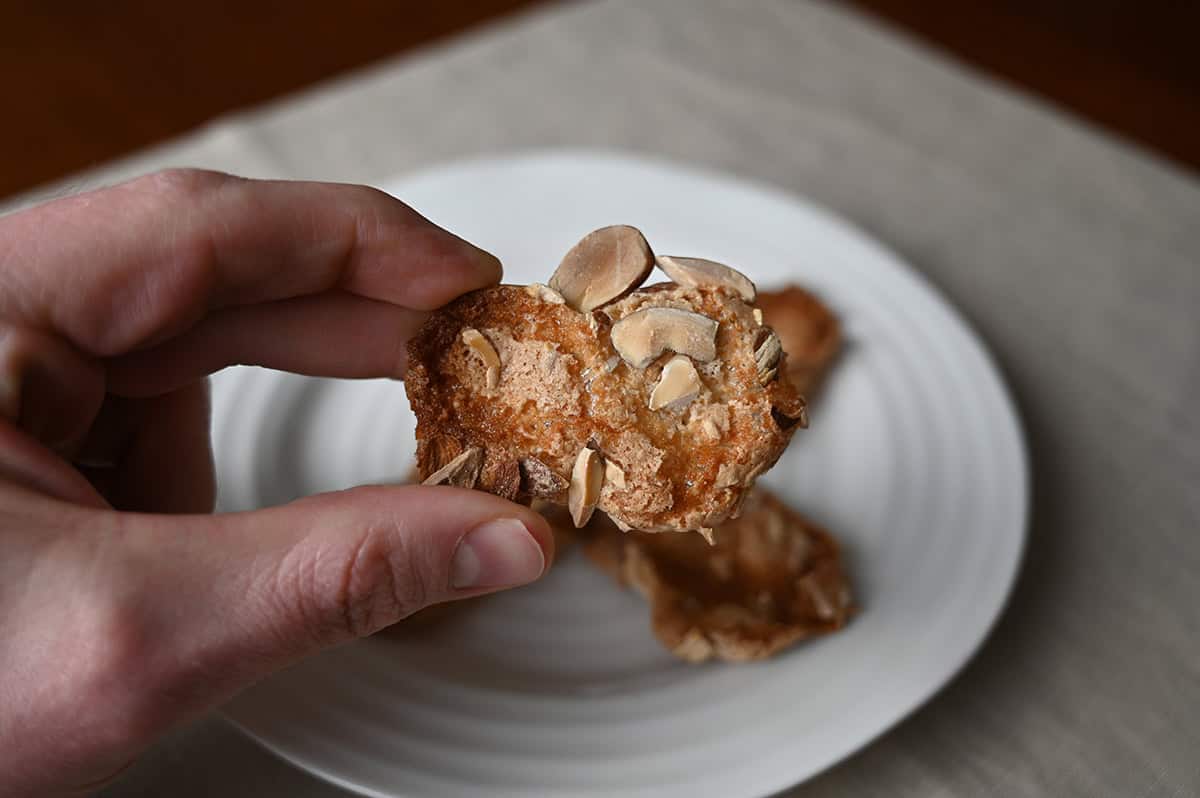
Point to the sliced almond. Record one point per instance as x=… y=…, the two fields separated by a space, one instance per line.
x=604 y=265
x=644 y=335
x=767 y=355
x=707 y=533
x=539 y=480
x=758 y=316
x=482 y=347
x=678 y=385
x=587 y=479
x=728 y=475
x=621 y=524
x=544 y=293
x=788 y=414
x=613 y=475
x=461 y=472
x=695 y=272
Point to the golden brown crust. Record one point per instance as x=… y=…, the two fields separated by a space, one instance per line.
x=770 y=579
x=809 y=331
x=562 y=387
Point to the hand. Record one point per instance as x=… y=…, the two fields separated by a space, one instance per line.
x=125 y=608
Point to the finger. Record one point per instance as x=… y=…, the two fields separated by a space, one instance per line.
x=343 y=336
x=136 y=263
x=166 y=464
x=233 y=597
x=47 y=387
x=26 y=462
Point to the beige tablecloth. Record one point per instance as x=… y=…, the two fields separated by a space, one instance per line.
x=1078 y=258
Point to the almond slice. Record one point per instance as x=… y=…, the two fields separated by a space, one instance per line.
x=604 y=265
x=767 y=355
x=695 y=272
x=482 y=347
x=613 y=475
x=539 y=480
x=587 y=479
x=678 y=385
x=461 y=472
x=645 y=334
x=544 y=293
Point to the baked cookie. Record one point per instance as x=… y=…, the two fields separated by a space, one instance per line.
x=810 y=333
x=659 y=406
x=770 y=579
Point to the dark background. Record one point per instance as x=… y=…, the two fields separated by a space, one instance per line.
x=87 y=81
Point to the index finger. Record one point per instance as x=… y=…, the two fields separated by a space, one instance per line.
x=121 y=268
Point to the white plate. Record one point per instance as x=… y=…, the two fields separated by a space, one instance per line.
x=914 y=459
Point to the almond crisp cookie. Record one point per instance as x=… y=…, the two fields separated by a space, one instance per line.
x=658 y=406
x=808 y=330
x=769 y=580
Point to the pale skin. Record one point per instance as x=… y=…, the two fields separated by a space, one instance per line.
x=126 y=607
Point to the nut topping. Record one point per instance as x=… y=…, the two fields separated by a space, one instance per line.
x=790 y=413
x=766 y=356
x=544 y=293
x=482 y=347
x=461 y=472
x=696 y=272
x=645 y=334
x=587 y=479
x=678 y=385
x=539 y=480
x=604 y=265
x=613 y=475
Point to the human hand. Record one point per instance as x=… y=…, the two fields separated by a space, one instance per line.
x=125 y=608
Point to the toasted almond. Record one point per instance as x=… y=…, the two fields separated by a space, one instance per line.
x=604 y=265
x=790 y=413
x=768 y=352
x=758 y=316
x=503 y=479
x=539 y=480
x=462 y=471
x=483 y=348
x=695 y=272
x=613 y=475
x=728 y=475
x=544 y=293
x=587 y=479
x=678 y=385
x=645 y=334
x=620 y=523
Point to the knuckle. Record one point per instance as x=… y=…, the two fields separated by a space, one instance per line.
x=183 y=183
x=382 y=582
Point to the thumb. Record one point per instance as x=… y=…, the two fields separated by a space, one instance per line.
x=227 y=599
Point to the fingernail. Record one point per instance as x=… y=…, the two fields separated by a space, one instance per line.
x=499 y=553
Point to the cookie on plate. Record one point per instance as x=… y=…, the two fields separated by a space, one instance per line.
x=770 y=579
x=809 y=331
